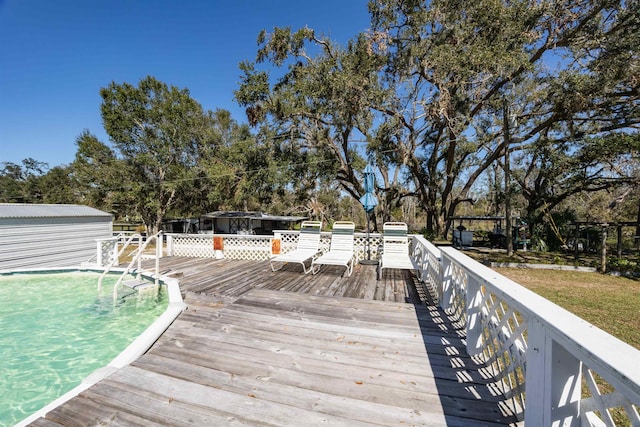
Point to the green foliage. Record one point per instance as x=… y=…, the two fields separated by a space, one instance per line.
x=539 y=238
x=553 y=231
x=11 y=183
x=23 y=183
x=429 y=235
x=427 y=94
x=426 y=86
x=623 y=265
x=101 y=178
x=59 y=186
x=34 y=182
x=316 y=108
x=462 y=60
x=240 y=171
x=158 y=131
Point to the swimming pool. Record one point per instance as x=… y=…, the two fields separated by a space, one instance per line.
x=56 y=329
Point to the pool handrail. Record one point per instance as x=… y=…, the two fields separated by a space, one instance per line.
x=137 y=260
x=116 y=258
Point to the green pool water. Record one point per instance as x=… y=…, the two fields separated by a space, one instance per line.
x=56 y=329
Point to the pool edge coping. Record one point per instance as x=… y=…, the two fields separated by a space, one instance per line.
x=132 y=352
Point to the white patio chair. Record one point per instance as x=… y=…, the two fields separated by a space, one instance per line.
x=307 y=248
x=341 y=250
x=395 y=248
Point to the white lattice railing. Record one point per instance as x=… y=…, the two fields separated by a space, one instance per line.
x=428 y=257
x=107 y=251
x=258 y=248
x=556 y=367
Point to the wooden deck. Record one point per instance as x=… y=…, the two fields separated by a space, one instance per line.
x=261 y=348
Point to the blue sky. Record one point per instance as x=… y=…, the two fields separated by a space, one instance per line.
x=55 y=55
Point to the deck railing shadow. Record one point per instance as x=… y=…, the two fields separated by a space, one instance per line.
x=461 y=380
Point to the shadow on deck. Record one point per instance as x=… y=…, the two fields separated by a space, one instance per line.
x=257 y=347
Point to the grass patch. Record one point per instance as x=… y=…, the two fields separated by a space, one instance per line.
x=611 y=303
x=130 y=251
x=628 y=264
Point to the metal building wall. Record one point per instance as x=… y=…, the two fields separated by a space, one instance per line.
x=50 y=241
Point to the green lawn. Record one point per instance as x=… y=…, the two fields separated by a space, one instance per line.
x=611 y=303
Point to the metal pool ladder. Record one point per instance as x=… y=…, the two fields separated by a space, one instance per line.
x=137 y=258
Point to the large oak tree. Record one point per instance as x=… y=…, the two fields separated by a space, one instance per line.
x=157 y=131
x=429 y=85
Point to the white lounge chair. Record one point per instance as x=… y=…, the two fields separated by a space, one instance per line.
x=395 y=248
x=307 y=248
x=341 y=249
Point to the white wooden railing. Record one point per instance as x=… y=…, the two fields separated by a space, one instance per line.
x=558 y=369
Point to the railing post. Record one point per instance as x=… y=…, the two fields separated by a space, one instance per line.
x=170 y=247
x=114 y=258
x=160 y=244
x=537 y=376
x=159 y=240
x=218 y=247
x=139 y=273
x=423 y=260
x=474 y=303
x=417 y=254
x=446 y=286
x=566 y=382
x=425 y=263
x=437 y=269
x=553 y=381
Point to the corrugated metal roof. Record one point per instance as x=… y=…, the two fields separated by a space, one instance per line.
x=28 y=210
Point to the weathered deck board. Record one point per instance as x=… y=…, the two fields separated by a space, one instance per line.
x=233 y=278
x=257 y=347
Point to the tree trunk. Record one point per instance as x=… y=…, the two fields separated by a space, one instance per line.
x=429 y=225
x=373 y=224
x=507 y=178
x=619 y=242
x=637 y=237
x=603 y=250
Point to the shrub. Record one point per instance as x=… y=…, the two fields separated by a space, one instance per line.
x=623 y=265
